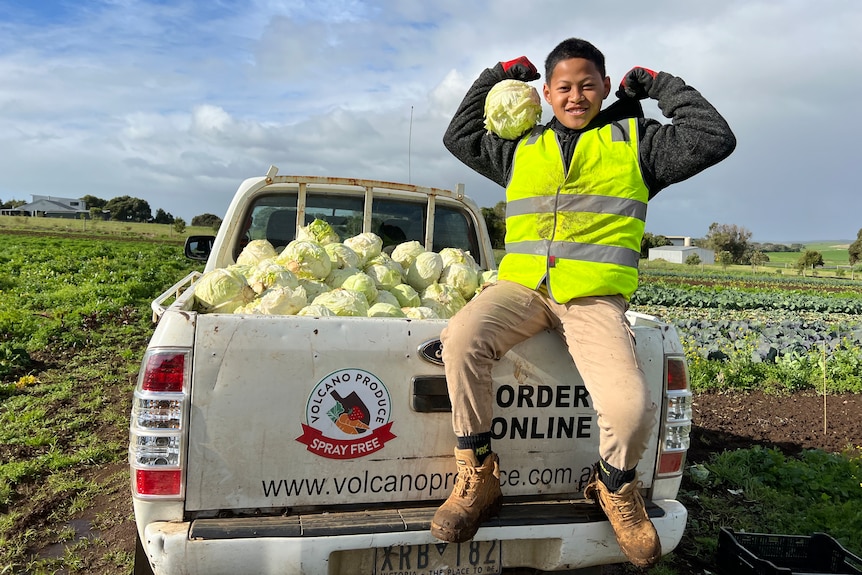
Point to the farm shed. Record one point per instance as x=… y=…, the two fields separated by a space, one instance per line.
x=678 y=254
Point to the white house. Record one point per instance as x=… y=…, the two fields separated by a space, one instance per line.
x=51 y=207
x=678 y=254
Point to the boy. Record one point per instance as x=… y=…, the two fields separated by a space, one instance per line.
x=576 y=192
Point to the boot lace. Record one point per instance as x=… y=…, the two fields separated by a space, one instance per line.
x=629 y=506
x=467 y=481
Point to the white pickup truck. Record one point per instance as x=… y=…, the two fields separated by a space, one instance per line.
x=236 y=467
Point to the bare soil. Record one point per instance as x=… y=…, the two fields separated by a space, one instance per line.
x=789 y=423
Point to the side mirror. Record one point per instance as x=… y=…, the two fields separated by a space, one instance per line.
x=199 y=247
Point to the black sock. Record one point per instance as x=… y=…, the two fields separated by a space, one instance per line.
x=479 y=443
x=614 y=478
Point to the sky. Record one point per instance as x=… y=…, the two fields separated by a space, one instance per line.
x=177 y=102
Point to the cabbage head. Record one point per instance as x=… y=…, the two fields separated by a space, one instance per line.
x=362 y=283
x=384 y=276
x=406 y=295
x=425 y=270
x=462 y=277
x=367 y=246
x=268 y=273
x=512 y=108
x=486 y=278
x=318 y=231
x=406 y=252
x=316 y=310
x=313 y=288
x=420 y=312
x=341 y=256
x=459 y=256
x=222 y=291
x=443 y=299
x=255 y=252
x=385 y=310
x=384 y=296
x=277 y=301
x=306 y=259
x=337 y=276
x=344 y=302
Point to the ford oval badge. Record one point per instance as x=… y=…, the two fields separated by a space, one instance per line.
x=432 y=351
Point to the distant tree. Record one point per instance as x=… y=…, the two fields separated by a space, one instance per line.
x=129 y=209
x=163 y=217
x=93 y=201
x=758 y=258
x=692 y=260
x=809 y=259
x=653 y=241
x=855 y=249
x=95 y=213
x=12 y=204
x=179 y=225
x=495 y=220
x=730 y=238
x=725 y=258
x=206 y=220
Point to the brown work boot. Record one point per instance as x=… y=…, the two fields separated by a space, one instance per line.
x=475 y=498
x=627 y=515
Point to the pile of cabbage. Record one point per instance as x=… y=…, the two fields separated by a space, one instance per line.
x=317 y=274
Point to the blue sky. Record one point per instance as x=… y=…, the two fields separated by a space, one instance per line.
x=177 y=102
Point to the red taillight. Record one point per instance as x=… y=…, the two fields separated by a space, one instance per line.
x=677 y=374
x=159 y=424
x=164 y=371
x=158 y=481
x=671 y=463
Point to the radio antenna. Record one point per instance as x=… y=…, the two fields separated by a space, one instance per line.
x=409 y=143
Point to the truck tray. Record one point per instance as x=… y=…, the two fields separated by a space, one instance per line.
x=764 y=554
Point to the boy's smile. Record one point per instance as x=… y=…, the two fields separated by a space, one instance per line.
x=575 y=91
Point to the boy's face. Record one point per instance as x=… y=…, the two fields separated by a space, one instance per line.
x=576 y=91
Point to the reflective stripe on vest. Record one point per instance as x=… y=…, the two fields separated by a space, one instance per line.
x=580 y=228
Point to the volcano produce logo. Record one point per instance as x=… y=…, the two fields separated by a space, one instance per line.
x=347 y=415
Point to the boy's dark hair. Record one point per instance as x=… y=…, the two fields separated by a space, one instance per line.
x=574 y=48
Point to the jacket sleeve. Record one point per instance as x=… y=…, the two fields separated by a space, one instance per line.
x=697 y=137
x=467 y=139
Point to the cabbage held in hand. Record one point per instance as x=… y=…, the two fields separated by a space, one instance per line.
x=512 y=108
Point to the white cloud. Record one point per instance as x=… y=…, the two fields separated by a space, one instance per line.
x=178 y=102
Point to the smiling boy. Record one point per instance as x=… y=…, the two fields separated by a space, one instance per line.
x=576 y=192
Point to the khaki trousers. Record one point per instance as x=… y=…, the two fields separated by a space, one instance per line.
x=598 y=338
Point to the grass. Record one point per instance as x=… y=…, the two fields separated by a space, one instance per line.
x=106 y=229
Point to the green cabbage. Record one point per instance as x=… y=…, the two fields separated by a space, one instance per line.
x=462 y=277
x=406 y=252
x=362 y=283
x=318 y=231
x=316 y=310
x=341 y=256
x=366 y=245
x=385 y=310
x=255 y=252
x=406 y=295
x=222 y=291
x=457 y=255
x=344 y=302
x=443 y=299
x=313 y=288
x=269 y=274
x=385 y=274
x=306 y=259
x=425 y=270
x=384 y=296
x=420 y=312
x=337 y=276
x=276 y=301
x=512 y=108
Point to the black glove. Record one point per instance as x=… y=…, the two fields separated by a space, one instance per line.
x=520 y=69
x=636 y=83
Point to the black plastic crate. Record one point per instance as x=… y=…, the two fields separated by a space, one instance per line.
x=763 y=554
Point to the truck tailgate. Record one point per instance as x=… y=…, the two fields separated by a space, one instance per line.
x=296 y=411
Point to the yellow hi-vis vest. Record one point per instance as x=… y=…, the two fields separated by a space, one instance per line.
x=580 y=228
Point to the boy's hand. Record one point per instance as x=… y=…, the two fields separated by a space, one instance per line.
x=636 y=83
x=520 y=69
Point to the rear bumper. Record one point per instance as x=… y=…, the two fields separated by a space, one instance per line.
x=546 y=536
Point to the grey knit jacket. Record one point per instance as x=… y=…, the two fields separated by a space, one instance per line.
x=697 y=138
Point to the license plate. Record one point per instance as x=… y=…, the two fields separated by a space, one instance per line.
x=469 y=558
